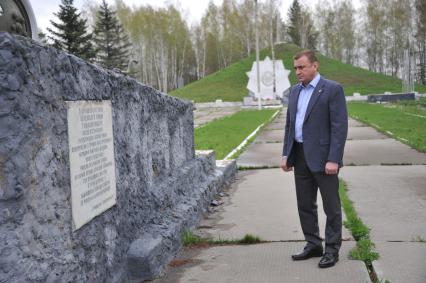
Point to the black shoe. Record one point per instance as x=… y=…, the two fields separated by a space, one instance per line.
x=328 y=260
x=308 y=252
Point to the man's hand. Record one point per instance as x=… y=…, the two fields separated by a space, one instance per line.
x=284 y=165
x=331 y=168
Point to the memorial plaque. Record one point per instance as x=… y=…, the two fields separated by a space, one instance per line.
x=92 y=166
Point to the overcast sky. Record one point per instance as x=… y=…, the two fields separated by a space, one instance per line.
x=194 y=9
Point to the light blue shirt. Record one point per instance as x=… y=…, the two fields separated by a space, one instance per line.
x=302 y=104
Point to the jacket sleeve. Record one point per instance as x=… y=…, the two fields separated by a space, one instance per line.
x=338 y=125
x=286 y=129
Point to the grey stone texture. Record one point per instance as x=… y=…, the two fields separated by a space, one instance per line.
x=163 y=187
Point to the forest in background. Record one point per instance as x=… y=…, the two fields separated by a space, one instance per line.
x=160 y=48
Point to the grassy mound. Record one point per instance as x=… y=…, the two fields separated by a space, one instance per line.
x=230 y=83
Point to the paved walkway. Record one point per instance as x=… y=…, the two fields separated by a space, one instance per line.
x=206 y=115
x=391 y=200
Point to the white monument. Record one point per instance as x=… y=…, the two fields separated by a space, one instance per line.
x=92 y=163
x=282 y=82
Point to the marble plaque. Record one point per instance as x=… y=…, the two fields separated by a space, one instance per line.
x=92 y=166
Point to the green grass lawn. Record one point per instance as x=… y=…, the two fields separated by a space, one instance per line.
x=230 y=83
x=225 y=134
x=405 y=120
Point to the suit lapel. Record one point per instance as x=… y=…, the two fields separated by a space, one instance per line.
x=314 y=98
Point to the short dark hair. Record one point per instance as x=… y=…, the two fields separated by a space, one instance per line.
x=308 y=53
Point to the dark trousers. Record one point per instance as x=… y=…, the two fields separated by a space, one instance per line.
x=307 y=184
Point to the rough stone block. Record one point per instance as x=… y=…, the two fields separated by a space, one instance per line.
x=162 y=187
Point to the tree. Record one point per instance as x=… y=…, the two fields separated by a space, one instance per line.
x=71 y=32
x=347 y=30
x=308 y=34
x=161 y=45
x=374 y=33
x=337 y=24
x=245 y=26
x=421 y=39
x=301 y=27
x=294 y=16
x=42 y=37
x=110 y=40
x=398 y=29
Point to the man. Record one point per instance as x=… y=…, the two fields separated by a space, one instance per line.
x=315 y=134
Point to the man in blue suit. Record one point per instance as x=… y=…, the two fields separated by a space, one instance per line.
x=315 y=135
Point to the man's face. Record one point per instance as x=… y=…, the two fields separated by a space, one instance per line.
x=305 y=70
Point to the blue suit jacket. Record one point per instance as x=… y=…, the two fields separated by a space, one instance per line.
x=325 y=126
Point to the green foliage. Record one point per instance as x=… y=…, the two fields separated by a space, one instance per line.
x=110 y=40
x=294 y=15
x=419 y=239
x=190 y=239
x=364 y=249
x=250 y=239
x=161 y=44
x=230 y=83
x=301 y=27
x=71 y=32
x=223 y=135
x=405 y=120
x=421 y=103
x=358 y=229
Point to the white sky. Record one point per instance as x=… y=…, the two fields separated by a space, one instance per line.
x=193 y=9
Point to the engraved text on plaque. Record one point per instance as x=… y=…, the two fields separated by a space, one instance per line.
x=92 y=164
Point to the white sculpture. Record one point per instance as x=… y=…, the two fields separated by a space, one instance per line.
x=282 y=82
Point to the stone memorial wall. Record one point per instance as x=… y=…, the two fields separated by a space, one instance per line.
x=153 y=184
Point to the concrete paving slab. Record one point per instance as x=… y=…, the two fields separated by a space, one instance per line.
x=364 y=133
x=357 y=152
x=261 y=154
x=391 y=200
x=279 y=119
x=355 y=123
x=268 y=211
x=275 y=126
x=381 y=152
x=401 y=262
x=270 y=136
x=269 y=262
